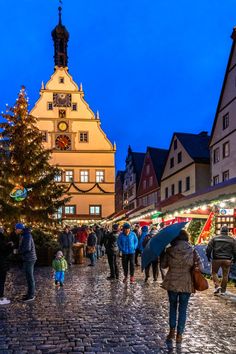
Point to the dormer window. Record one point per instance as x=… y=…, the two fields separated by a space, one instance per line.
x=225 y=121
x=171 y=162
x=74 y=106
x=61 y=80
x=50 y=106
x=175 y=144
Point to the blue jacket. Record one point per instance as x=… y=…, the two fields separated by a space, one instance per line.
x=127 y=243
x=141 y=239
x=27 y=247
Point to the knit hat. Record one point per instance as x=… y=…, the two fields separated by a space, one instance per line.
x=115 y=227
x=19 y=226
x=126 y=226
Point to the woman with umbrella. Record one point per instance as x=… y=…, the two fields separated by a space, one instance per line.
x=179 y=258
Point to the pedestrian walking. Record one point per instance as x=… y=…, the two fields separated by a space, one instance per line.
x=66 y=240
x=127 y=243
x=222 y=251
x=91 y=247
x=154 y=263
x=99 y=235
x=59 y=264
x=6 y=249
x=136 y=230
x=112 y=251
x=28 y=255
x=179 y=258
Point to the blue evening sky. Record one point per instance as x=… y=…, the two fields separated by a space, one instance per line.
x=151 y=67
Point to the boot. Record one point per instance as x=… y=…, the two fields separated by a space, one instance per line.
x=171 y=334
x=179 y=338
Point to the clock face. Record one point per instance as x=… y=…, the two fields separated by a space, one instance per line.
x=61 y=100
x=62 y=126
x=63 y=142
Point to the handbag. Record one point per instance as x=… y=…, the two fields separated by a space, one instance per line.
x=200 y=283
x=91 y=249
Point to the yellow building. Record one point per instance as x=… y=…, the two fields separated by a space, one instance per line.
x=80 y=147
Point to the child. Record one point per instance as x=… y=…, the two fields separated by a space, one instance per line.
x=59 y=264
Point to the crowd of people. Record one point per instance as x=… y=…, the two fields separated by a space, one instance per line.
x=175 y=264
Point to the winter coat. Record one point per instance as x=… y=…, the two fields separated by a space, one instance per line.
x=179 y=260
x=92 y=239
x=59 y=264
x=99 y=234
x=82 y=236
x=66 y=239
x=5 y=251
x=127 y=243
x=110 y=243
x=142 y=237
x=221 y=247
x=27 y=247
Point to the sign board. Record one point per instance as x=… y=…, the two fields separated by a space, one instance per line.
x=224 y=212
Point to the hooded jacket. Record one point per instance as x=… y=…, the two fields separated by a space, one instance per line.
x=127 y=243
x=179 y=259
x=142 y=237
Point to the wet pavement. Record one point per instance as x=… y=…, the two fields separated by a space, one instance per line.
x=94 y=315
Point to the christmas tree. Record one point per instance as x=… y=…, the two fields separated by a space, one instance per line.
x=28 y=190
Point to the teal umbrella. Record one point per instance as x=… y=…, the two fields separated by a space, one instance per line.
x=158 y=243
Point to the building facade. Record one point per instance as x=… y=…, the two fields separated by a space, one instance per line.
x=80 y=147
x=187 y=168
x=223 y=136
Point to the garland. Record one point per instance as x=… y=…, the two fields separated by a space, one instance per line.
x=85 y=191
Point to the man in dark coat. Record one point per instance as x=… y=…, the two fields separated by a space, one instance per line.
x=222 y=250
x=112 y=251
x=5 y=250
x=66 y=240
x=28 y=255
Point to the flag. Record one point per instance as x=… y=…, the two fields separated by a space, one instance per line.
x=206 y=229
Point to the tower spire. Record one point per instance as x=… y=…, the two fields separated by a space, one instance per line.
x=60 y=37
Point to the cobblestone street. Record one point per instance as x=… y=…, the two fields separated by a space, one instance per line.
x=94 y=315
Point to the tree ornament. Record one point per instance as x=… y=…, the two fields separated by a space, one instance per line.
x=19 y=193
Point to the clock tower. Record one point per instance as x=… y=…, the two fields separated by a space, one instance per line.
x=80 y=147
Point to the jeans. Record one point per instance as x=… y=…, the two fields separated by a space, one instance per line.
x=112 y=260
x=99 y=251
x=28 y=268
x=67 y=252
x=180 y=300
x=154 y=269
x=128 y=260
x=92 y=257
x=3 y=275
x=59 y=277
x=225 y=264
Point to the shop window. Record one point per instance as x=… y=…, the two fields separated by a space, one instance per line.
x=166 y=193
x=226 y=151
x=95 y=209
x=69 y=176
x=215 y=180
x=180 y=186
x=180 y=157
x=216 y=155
x=84 y=176
x=70 y=209
x=187 y=183
x=225 y=121
x=225 y=175
x=99 y=176
x=171 y=162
